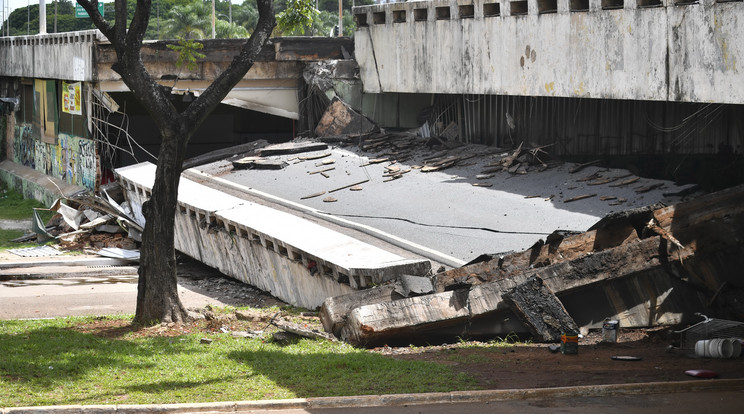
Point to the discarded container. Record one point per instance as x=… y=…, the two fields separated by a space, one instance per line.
x=609 y=331
x=570 y=343
x=715 y=348
x=736 y=342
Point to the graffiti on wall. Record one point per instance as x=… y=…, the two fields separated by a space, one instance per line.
x=24 y=146
x=72 y=159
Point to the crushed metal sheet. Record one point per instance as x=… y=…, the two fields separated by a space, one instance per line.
x=117 y=253
x=36 y=251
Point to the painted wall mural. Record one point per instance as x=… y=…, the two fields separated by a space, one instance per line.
x=72 y=159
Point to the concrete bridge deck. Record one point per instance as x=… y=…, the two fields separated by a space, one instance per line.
x=659 y=50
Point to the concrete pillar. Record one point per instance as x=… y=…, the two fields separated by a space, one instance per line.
x=42 y=17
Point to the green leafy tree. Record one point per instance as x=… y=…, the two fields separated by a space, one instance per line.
x=297 y=18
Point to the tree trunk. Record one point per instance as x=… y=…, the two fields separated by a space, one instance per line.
x=157 y=293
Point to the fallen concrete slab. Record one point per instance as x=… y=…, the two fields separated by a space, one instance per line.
x=296 y=260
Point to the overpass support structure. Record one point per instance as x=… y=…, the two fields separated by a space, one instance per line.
x=611 y=77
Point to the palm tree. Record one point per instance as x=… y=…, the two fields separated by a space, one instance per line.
x=189 y=21
x=227 y=30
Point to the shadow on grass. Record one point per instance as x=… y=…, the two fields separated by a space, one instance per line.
x=49 y=355
x=328 y=372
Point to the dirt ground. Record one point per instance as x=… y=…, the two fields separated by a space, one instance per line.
x=534 y=366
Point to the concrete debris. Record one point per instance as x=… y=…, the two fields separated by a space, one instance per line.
x=415 y=286
x=540 y=310
x=294 y=147
x=340 y=119
x=258 y=163
x=644 y=267
x=87 y=222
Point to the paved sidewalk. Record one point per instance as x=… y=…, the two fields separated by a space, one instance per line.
x=556 y=399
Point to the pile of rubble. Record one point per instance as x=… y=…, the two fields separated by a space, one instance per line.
x=89 y=223
x=645 y=267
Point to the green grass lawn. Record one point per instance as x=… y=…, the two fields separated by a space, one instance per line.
x=14 y=207
x=54 y=362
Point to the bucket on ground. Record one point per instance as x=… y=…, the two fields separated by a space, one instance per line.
x=609 y=331
x=715 y=348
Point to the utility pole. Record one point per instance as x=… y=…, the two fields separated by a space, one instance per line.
x=55 y=15
x=229 y=10
x=213 y=34
x=42 y=17
x=340 y=18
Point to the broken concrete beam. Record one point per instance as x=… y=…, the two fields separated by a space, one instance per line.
x=404 y=319
x=415 y=285
x=557 y=249
x=540 y=310
x=679 y=217
x=258 y=163
x=335 y=310
x=382 y=322
x=292 y=148
x=340 y=119
x=222 y=154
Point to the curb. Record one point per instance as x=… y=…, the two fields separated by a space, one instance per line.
x=395 y=399
x=62 y=261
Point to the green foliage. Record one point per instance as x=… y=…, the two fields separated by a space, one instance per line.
x=297 y=17
x=51 y=362
x=190 y=21
x=227 y=30
x=187 y=52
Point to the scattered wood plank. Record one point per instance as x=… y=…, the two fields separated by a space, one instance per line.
x=399 y=172
x=507 y=161
x=374 y=161
x=324 y=162
x=329 y=200
x=321 y=171
x=313 y=195
x=582 y=166
x=315 y=157
x=607 y=198
x=347 y=186
x=579 y=197
x=625 y=182
x=482 y=184
x=600 y=182
x=648 y=188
